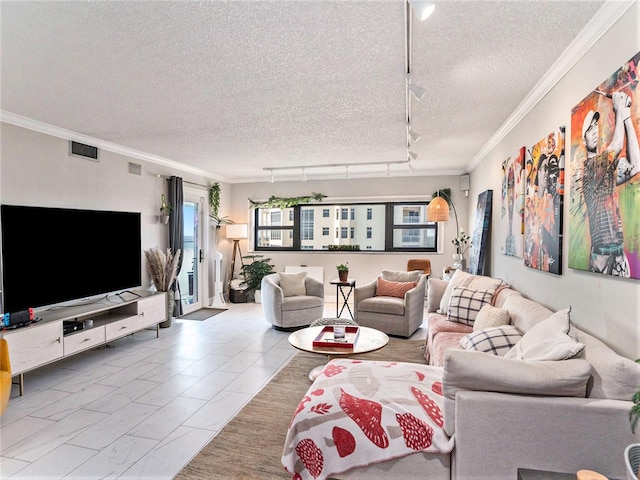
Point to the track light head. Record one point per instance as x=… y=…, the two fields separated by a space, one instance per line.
x=417 y=91
x=422 y=8
x=413 y=155
x=415 y=136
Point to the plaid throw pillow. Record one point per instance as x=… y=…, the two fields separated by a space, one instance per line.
x=466 y=303
x=495 y=340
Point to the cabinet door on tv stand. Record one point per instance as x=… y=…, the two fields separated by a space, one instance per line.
x=34 y=346
x=152 y=310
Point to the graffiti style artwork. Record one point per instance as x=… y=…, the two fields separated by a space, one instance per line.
x=480 y=236
x=544 y=183
x=604 y=209
x=512 y=211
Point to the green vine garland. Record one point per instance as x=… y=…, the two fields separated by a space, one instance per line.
x=282 y=202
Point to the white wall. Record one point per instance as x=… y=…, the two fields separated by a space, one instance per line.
x=38 y=170
x=606 y=307
x=363 y=266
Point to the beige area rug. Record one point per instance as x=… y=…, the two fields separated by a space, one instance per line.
x=250 y=445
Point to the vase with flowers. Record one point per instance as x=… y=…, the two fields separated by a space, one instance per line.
x=461 y=243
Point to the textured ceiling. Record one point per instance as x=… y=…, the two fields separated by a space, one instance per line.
x=230 y=88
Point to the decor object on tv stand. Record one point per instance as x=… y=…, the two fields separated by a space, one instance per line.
x=162 y=269
x=343 y=271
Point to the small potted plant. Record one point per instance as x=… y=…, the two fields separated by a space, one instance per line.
x=255 y=271
x=343 y=271
x=165 y=210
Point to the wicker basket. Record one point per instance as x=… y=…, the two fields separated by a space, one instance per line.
x=632 y=460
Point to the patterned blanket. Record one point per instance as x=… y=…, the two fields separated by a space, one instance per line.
x=357 y=413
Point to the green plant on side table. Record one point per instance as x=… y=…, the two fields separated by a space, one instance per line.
x=255 y=271
x=343 y=271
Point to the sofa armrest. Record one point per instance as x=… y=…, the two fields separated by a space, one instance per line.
x=435 y=290
x=272 y=298
x=498 y=433
x=364 y=291
x=414 y=298
x=314 y=288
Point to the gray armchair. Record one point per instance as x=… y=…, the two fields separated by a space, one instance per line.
x=293 y=311
x=391 y=315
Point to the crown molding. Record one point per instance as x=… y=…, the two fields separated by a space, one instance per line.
x=602 y=21
x=30 y=124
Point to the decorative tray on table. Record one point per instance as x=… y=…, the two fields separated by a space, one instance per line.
x=342 y=337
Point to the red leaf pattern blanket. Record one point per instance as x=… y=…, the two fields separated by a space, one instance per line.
x=357 y=413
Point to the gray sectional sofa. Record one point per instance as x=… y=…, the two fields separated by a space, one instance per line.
x=509 y=413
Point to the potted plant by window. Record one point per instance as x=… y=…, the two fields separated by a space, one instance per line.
x=255 y=271
x=162 y=269
x=343 y=271
x=165 y=210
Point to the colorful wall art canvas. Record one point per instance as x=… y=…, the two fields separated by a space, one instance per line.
x=544 y=183
x=480 y=236
x=512 y=211
x=604 y=209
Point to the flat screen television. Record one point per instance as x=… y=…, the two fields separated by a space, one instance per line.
x=55 y=255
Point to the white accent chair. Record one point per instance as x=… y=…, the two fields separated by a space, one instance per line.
x=391 y=315
x=291 y=312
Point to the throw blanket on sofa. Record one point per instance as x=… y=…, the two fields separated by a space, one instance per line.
x=357 y=413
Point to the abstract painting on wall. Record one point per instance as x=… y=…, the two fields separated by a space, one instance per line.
x=544 y=183
x=480 y=235
x=604 y=209
x=512 y=211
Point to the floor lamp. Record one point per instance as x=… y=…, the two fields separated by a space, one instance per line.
x=236 y=232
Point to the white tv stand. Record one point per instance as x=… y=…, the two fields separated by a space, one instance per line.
x=119 y=315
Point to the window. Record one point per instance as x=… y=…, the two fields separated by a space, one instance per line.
x=306 y=224
x=376 y=227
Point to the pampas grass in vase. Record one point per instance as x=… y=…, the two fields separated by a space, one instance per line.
x=162 y=267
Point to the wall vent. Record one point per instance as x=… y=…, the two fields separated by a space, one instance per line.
x=81 y=150
x=135 y=168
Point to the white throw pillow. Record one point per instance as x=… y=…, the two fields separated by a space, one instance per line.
x=490 y=316
x=466 y=303
x=292 y=284
x=548 y=340
x=495 y=340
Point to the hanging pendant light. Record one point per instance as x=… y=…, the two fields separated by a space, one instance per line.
x=438 y=210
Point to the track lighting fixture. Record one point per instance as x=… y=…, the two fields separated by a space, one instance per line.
x=413 y=155
x=415 y=136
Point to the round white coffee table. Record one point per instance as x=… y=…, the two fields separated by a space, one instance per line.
x=369 y=340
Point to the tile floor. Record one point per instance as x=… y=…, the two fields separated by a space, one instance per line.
x=144 y=407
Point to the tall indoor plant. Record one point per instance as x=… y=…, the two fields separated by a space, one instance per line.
x=255 y=271
x=162 y=268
